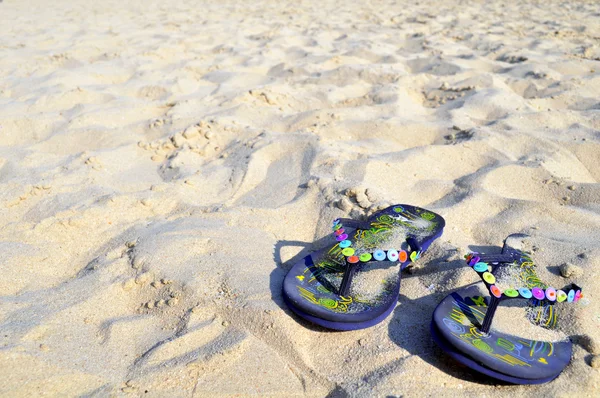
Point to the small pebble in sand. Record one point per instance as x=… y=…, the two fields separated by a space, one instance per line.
x=344 y=204
x=568 y=270
x=155 y=284
x=351 y=192
x=44 y=347
x=595 y=361
x=372 y=195
x=160 y=303
x=173 y=302
x=150 y=305
x=131 y=243
x=189 y=182
x=156 y=158
x=572 y=187
x=191 y=132
x=362 y=341
x=129 y=390
x=225 y=323
x=362 y=200
x=129 y=284
x=166 y=281
x=143 y=278
x=208 y=135
x=178 y=140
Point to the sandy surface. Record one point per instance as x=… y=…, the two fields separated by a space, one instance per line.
x=163 y=164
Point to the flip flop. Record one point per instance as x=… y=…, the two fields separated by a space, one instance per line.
x=461 y=323
x=330 y=287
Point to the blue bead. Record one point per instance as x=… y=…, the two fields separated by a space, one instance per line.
x=480 y=267
x=525 y=293
x=345 y=243
x=379 y=255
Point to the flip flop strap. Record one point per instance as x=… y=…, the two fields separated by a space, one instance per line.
x=503 y=258
x=353 y=261
x=339 y=225
x=548 y=296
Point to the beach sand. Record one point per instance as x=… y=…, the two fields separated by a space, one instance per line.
x=164 y=164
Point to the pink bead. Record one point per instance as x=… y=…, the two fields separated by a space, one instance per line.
x=538 y=293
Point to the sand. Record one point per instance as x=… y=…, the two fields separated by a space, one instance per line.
x=163 y=164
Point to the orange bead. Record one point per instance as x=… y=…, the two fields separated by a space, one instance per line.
x=403 y=256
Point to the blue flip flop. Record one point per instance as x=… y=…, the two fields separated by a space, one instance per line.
x=461 y=323
x=326 y=286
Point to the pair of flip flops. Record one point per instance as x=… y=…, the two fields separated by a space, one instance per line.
x=332 y=288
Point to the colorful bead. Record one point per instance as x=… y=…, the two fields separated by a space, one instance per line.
x=348 y=251
x=364 y=257
x=352 y=259
x=488 y=277
x=414 y=256
x=495 y=291
x=379 y=255
x=480 y=267
x=511 y=293
x=577 y=296
x=341 y=237
x=538 y=293
x=551 y=294
x=402 y=256
x=525 y=293
x=336 y=227
x=339 y=231
x=561 y=296
x=571 y=296
x=345 y=243
x=474 y=261
x=392 y=255
x=336 y=221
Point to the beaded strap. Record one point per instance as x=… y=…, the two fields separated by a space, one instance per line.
x=548 y=295
x=378 y=255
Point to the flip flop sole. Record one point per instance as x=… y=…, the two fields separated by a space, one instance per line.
x=308 y=294
x=344 y=326
x=499 y=355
